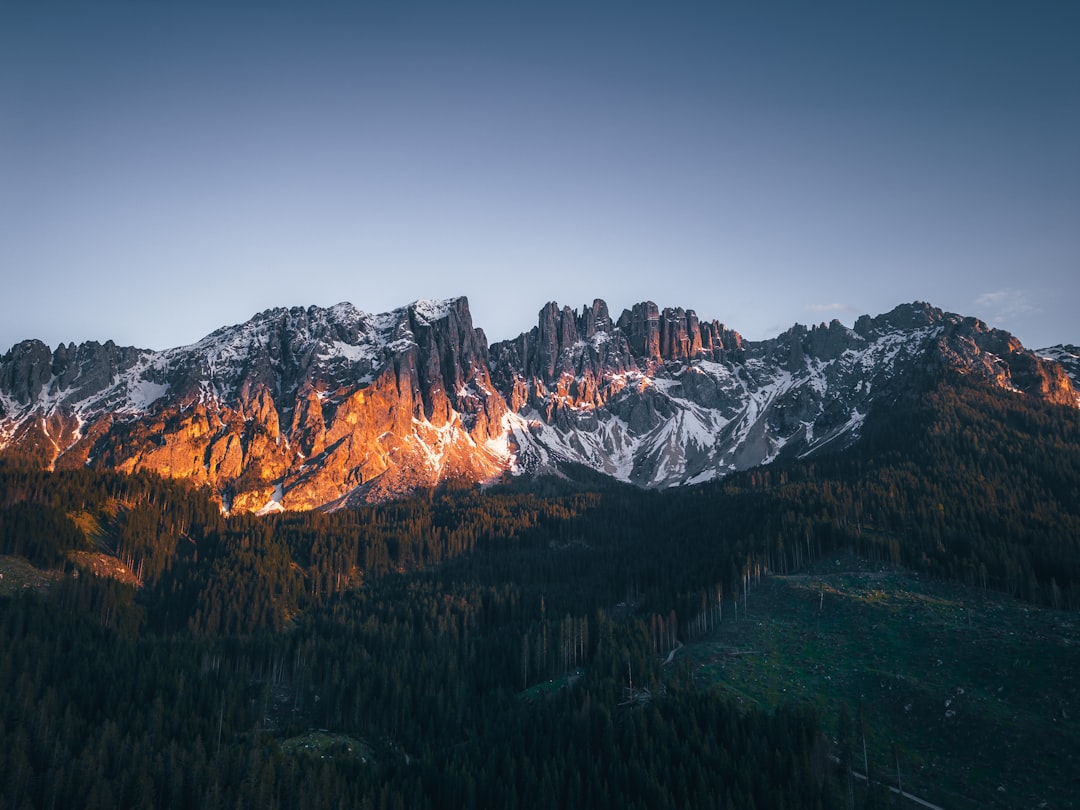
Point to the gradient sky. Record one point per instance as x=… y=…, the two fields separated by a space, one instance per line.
x=167 y=168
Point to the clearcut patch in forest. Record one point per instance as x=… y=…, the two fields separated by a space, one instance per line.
x=323 y=744
x=16 y=574
x=979 y=692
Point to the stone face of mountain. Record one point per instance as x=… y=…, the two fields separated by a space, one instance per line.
x=304 y=408
x=660 y=398
x=1065 y=355
x=295 y=408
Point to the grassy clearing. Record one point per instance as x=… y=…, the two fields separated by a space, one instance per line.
x=980 y=693
x=324 y=745
x=90 y=526
x=549 y=688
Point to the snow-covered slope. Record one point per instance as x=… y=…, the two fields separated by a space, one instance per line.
x=301 y=408
x=1068 y=356
x=665 y=416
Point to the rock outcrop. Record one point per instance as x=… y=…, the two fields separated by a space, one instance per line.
x=307 y=408
x=296 y=408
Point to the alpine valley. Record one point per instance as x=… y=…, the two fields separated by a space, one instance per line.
x=300 y=409
x=333 y=559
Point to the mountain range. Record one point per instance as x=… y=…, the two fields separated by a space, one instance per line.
x=305 y=408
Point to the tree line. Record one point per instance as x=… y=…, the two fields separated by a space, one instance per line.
x=500 y=647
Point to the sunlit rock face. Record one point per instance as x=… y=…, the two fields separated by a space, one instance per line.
x=321 y=408
x=1068 y=357
x=296 y=408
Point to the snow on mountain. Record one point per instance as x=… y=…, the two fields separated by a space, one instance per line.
x=1067 y=356
x=670 y=419
x=301 y=408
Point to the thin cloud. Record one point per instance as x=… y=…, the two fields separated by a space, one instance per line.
x=1005 y=305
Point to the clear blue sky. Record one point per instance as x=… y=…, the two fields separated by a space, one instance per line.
x=170 y=167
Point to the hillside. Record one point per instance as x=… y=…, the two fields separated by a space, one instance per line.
x=563 y=639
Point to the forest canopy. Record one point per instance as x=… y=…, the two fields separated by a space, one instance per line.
x=500 y=647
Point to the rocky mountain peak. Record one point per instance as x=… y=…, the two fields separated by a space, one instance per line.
x=319 y=407
x=916 y=315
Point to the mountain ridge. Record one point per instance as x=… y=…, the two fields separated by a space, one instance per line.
x=301 y=408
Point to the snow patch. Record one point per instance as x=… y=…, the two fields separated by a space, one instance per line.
x=364 y=352
x=431 y=311
x=144 y=393
x=274 y=504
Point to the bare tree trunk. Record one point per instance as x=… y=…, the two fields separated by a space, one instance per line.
x=899 y=784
